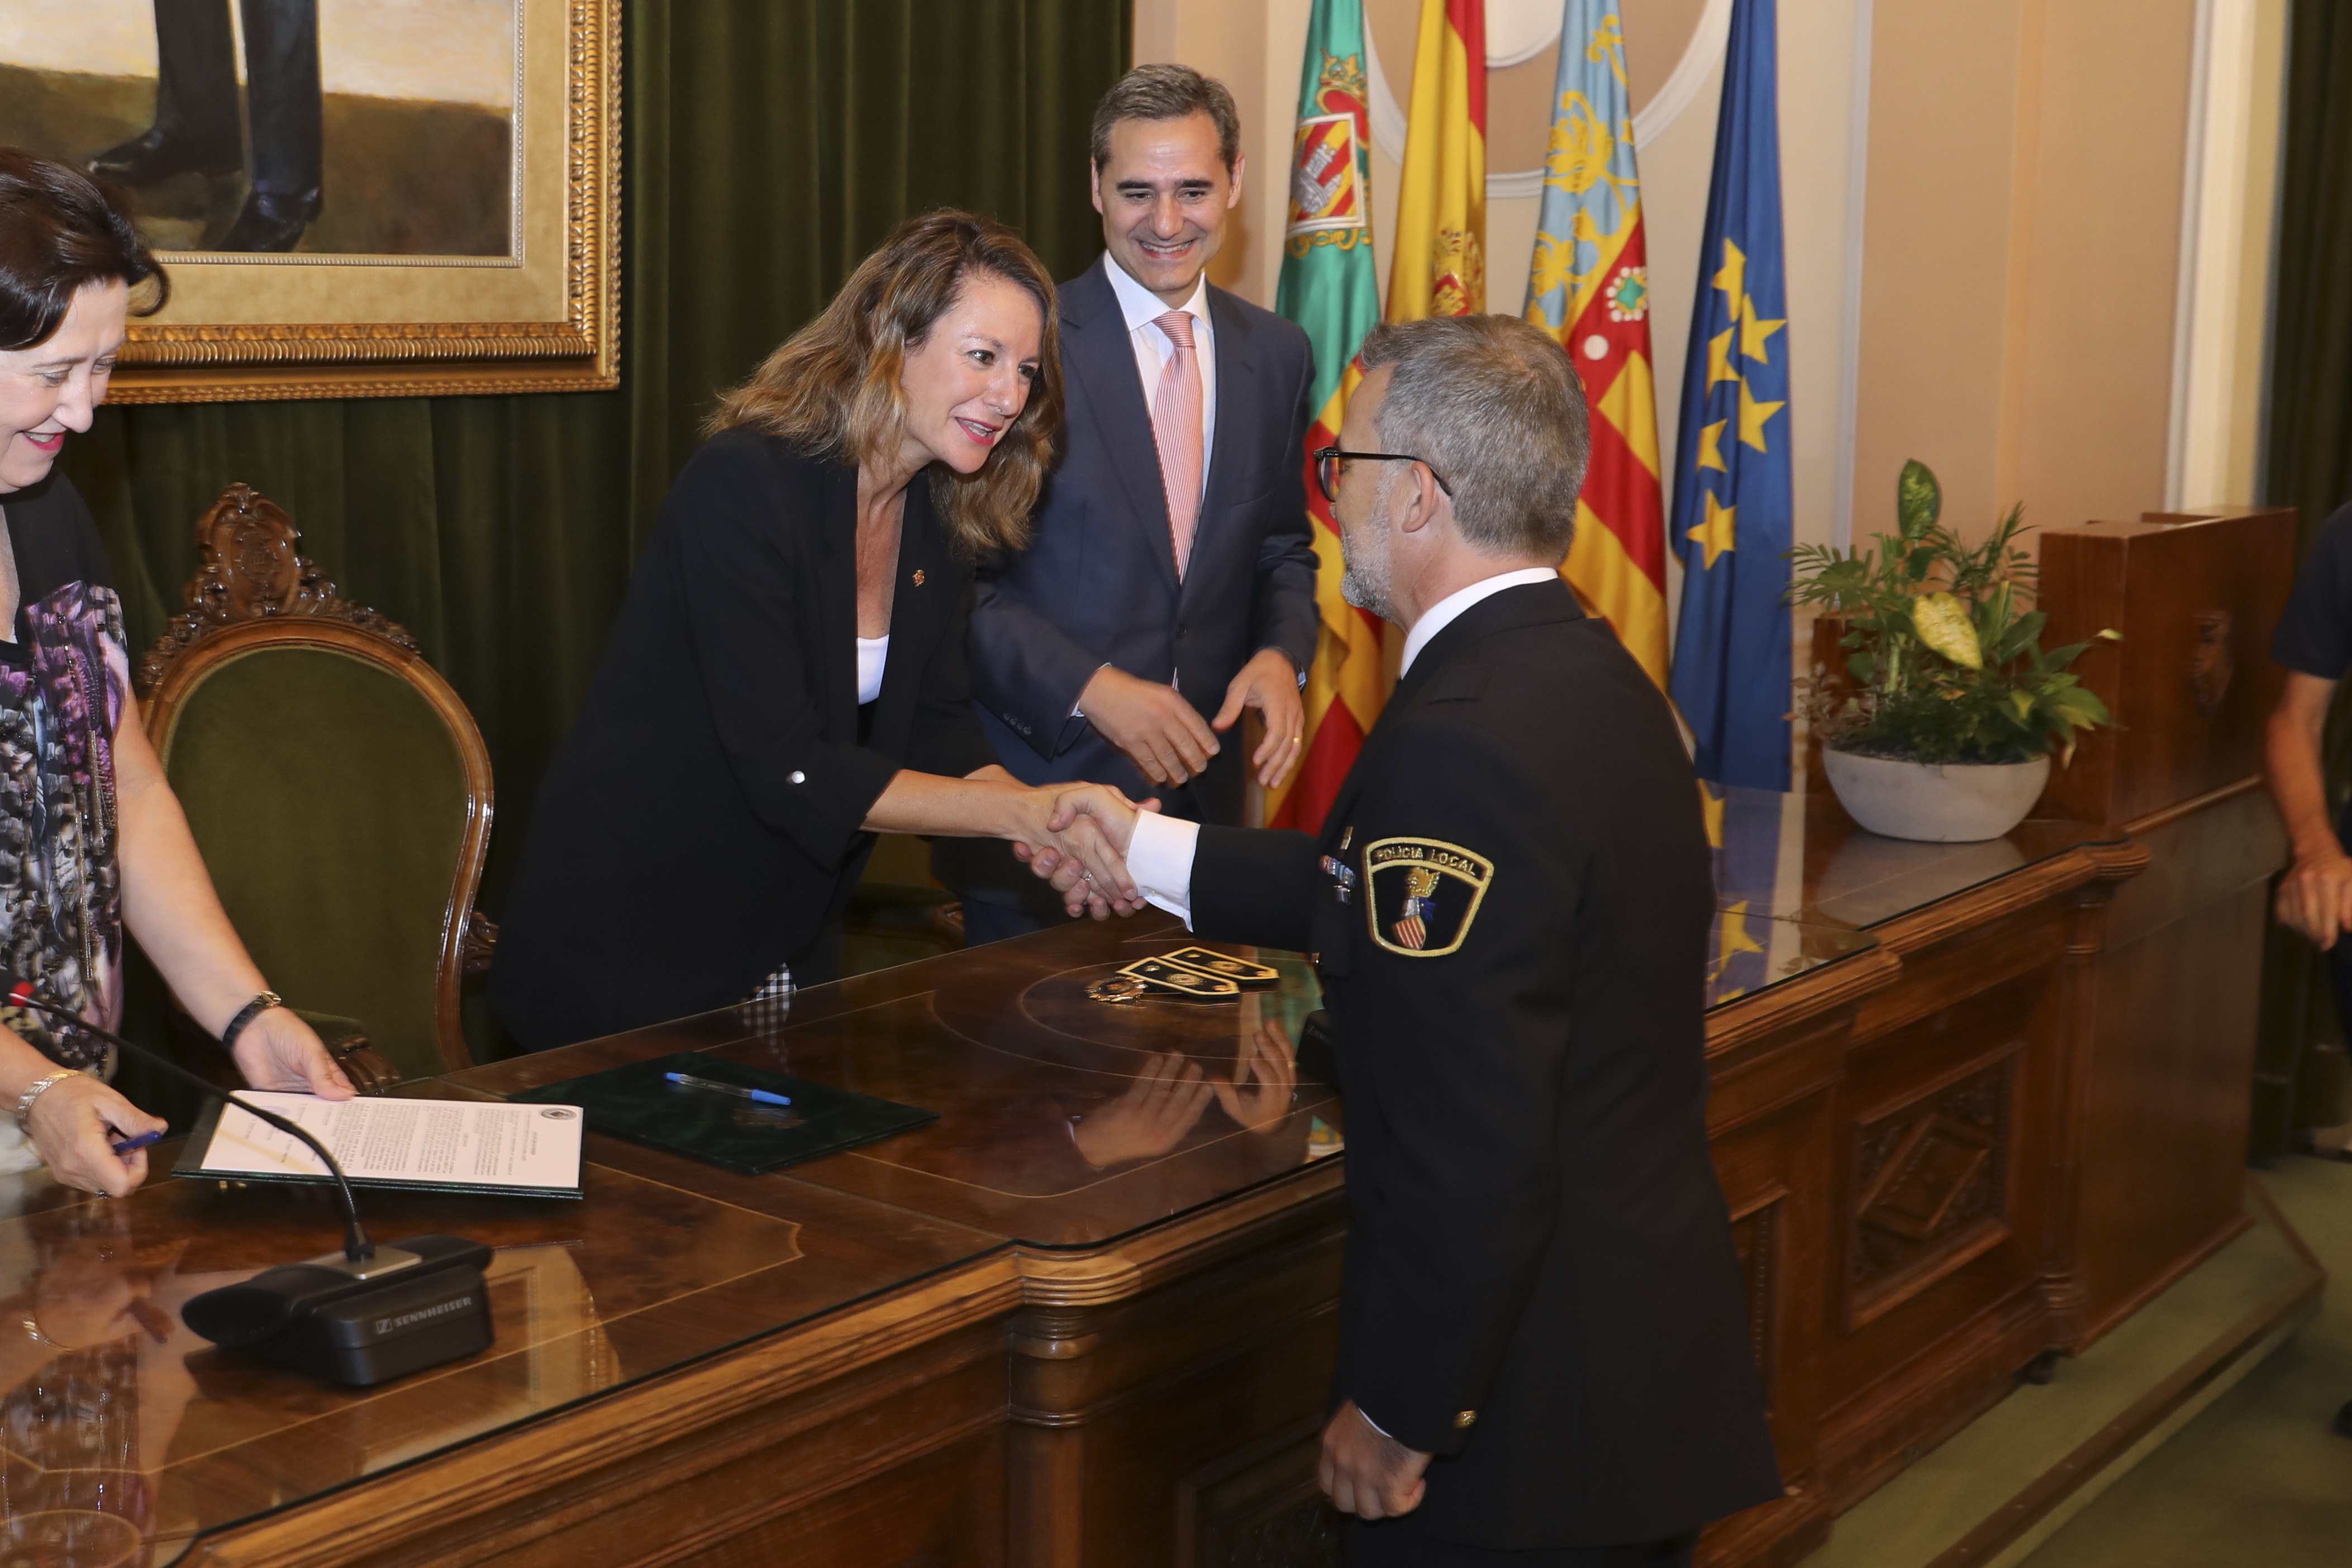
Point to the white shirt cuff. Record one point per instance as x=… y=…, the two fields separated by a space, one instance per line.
x=1159 y=859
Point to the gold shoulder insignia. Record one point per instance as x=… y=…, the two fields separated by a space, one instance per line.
x=1423 y=894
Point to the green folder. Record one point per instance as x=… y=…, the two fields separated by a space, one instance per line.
x=638 y=1103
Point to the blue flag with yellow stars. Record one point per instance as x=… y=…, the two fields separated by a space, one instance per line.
x=1732 y=523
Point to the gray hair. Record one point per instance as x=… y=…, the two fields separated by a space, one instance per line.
x=1169 y=92
x=1494 y=404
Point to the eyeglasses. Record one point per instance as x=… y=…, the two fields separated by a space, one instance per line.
x=1328 y=458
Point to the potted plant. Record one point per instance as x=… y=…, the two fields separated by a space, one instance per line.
x=1944 y=727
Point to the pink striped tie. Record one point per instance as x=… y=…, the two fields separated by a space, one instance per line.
x=1176 y=430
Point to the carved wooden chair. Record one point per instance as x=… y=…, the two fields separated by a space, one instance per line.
x=335 y=783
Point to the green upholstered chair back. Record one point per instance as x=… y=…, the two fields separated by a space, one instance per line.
x=336 y=786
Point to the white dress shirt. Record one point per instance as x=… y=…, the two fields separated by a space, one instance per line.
x=1153 y=347
x=1160 y=855
x=873 y=655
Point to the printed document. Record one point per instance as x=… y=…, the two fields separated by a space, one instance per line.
x=434 y=1143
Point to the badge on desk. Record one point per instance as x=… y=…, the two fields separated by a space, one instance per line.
x=1422 y=894
x=1163 y=979
x=1249 y=977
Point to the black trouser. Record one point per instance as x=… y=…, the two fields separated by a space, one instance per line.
x=196 y=91
x=1390 y=1544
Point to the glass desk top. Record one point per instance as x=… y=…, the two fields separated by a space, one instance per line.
x=124 y=1437
x=1064 y=1123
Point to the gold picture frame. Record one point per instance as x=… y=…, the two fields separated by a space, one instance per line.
x=544 y=317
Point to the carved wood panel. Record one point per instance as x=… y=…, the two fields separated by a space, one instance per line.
x=1930 y=1186
x=1756 y=1235
x=1260 y=1509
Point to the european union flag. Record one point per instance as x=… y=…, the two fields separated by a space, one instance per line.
x=1732 y=522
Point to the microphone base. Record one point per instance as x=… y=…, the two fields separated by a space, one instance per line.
x=417 y=1303
x=375 y=1336
x=384 y=1261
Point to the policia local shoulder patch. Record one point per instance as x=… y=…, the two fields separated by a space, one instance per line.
x=1422 y=894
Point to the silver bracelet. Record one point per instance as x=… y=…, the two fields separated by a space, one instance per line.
x=40 y=1086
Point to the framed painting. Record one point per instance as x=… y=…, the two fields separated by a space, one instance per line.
x=356 y=198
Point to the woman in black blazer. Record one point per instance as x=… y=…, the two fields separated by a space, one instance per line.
x=787 y=676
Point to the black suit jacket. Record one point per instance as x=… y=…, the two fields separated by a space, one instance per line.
x=701 y=825
x=1538 y=1238
x=1097 y=584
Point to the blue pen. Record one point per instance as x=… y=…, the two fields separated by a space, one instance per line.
x=762 y=1096
x=128 y=1145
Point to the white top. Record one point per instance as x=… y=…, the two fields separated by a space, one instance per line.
x=1153 y=347
x=873 y=653
x=1160 y=855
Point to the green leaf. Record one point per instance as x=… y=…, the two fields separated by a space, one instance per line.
x=1918 y=499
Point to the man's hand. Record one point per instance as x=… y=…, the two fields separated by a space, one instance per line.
x=1159 y=730
x=279 y=1050
x=1365 y=1472
x=1064 y=832
x=1275 y=1065
x=1111 y=815
x=2315 y=896
x=1269 y=684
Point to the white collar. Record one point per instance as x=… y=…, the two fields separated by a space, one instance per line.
x=1448 y=610
x=1140 y=306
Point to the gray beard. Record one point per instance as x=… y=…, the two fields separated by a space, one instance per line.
x=1366 y=592
x=1365 y=580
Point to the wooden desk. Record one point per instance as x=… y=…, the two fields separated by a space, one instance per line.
x=970 y=1345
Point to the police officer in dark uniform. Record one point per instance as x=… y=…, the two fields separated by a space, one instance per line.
x=1543 y=1357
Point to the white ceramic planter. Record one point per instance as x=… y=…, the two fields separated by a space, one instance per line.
x=1938 y=803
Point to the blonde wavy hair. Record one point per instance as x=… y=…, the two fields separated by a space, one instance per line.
x=833 y=387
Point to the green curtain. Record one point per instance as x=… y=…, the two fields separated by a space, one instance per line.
x=2299 y=1079
x=768 y=145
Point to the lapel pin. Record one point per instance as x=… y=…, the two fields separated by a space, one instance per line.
x=919 y=577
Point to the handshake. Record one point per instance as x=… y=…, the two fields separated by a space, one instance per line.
x=1076 y=836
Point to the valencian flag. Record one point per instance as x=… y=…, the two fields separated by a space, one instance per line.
x=1329 y=288
x=1591 y=290
x=1732 y=519
x=1440 y=265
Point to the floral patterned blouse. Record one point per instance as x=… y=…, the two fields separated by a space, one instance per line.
x=64 y=681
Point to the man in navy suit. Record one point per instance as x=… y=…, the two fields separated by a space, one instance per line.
x=1170 y=580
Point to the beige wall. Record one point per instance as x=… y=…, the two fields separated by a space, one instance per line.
x=1995 y=251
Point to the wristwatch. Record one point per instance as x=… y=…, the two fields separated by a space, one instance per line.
x=246 y=1014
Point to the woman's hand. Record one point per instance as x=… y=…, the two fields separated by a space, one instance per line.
x=1151 y=1117
x=1062 y=829
x=75 y=1124
x=1112 y=817
x=83 y=1296
x=279 y=1050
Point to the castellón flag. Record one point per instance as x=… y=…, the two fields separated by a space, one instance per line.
x=1440 y=265
x=1591 y=288
x=1732 y=518
x=1328 y=288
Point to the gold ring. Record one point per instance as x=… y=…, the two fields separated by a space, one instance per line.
x=1293 y=740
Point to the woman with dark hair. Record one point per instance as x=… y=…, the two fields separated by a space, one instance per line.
x=787 y=676
x=91 y=839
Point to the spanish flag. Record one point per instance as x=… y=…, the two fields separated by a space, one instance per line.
x=1591 y=288
x=1440 y=267
x=1330 y=288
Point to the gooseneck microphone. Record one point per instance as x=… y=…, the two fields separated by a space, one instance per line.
x=357 y=1248
x=365 y=1317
